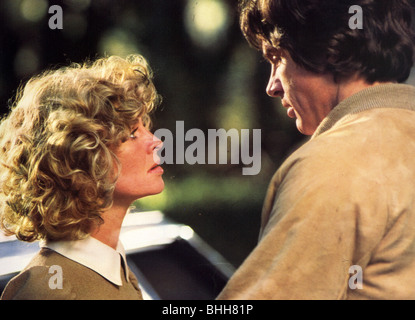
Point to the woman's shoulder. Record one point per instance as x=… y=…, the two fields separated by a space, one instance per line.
x=41 y=279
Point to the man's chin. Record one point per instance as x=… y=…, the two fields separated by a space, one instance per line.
x=303 y=129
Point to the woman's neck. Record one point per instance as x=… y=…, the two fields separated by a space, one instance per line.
x=109 y=232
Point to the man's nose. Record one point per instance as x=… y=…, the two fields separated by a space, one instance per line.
x=274 y=87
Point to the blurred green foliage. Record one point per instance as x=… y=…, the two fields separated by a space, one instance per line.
x=207 y=74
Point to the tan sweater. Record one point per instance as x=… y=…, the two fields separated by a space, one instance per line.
x=345 y=198
x=79 y=282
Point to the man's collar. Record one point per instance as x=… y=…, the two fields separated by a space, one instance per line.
x=94 y=255
x=380 y=96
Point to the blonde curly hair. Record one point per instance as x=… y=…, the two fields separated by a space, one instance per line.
x=57 y=163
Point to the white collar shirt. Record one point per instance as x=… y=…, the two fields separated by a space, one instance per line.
x=94 y=255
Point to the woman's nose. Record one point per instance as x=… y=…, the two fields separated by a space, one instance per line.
x=155 y=149
x=156 y=144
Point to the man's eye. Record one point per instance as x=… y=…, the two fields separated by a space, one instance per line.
x=275 y=59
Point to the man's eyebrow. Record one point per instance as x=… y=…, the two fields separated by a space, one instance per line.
x=269 y=48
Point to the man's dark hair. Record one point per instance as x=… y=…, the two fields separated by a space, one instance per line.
x=317 y=35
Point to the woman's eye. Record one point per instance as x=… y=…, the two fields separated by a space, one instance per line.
x=132 y=135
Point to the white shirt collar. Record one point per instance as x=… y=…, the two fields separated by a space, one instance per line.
x=94 y=255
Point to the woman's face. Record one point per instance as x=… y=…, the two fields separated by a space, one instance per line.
x=140 y=173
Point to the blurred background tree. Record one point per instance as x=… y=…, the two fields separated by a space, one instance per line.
x=208 y=76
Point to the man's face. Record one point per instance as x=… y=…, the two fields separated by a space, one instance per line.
x=308 y=97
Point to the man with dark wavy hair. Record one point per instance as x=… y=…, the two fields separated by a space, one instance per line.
x=339 y=217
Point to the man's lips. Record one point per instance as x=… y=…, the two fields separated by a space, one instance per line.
x=290 y=110
x=291 y=113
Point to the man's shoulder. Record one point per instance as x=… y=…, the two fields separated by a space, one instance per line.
x=372 y=143
x=365 y=131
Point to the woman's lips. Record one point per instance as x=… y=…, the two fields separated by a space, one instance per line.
x=156 y=169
